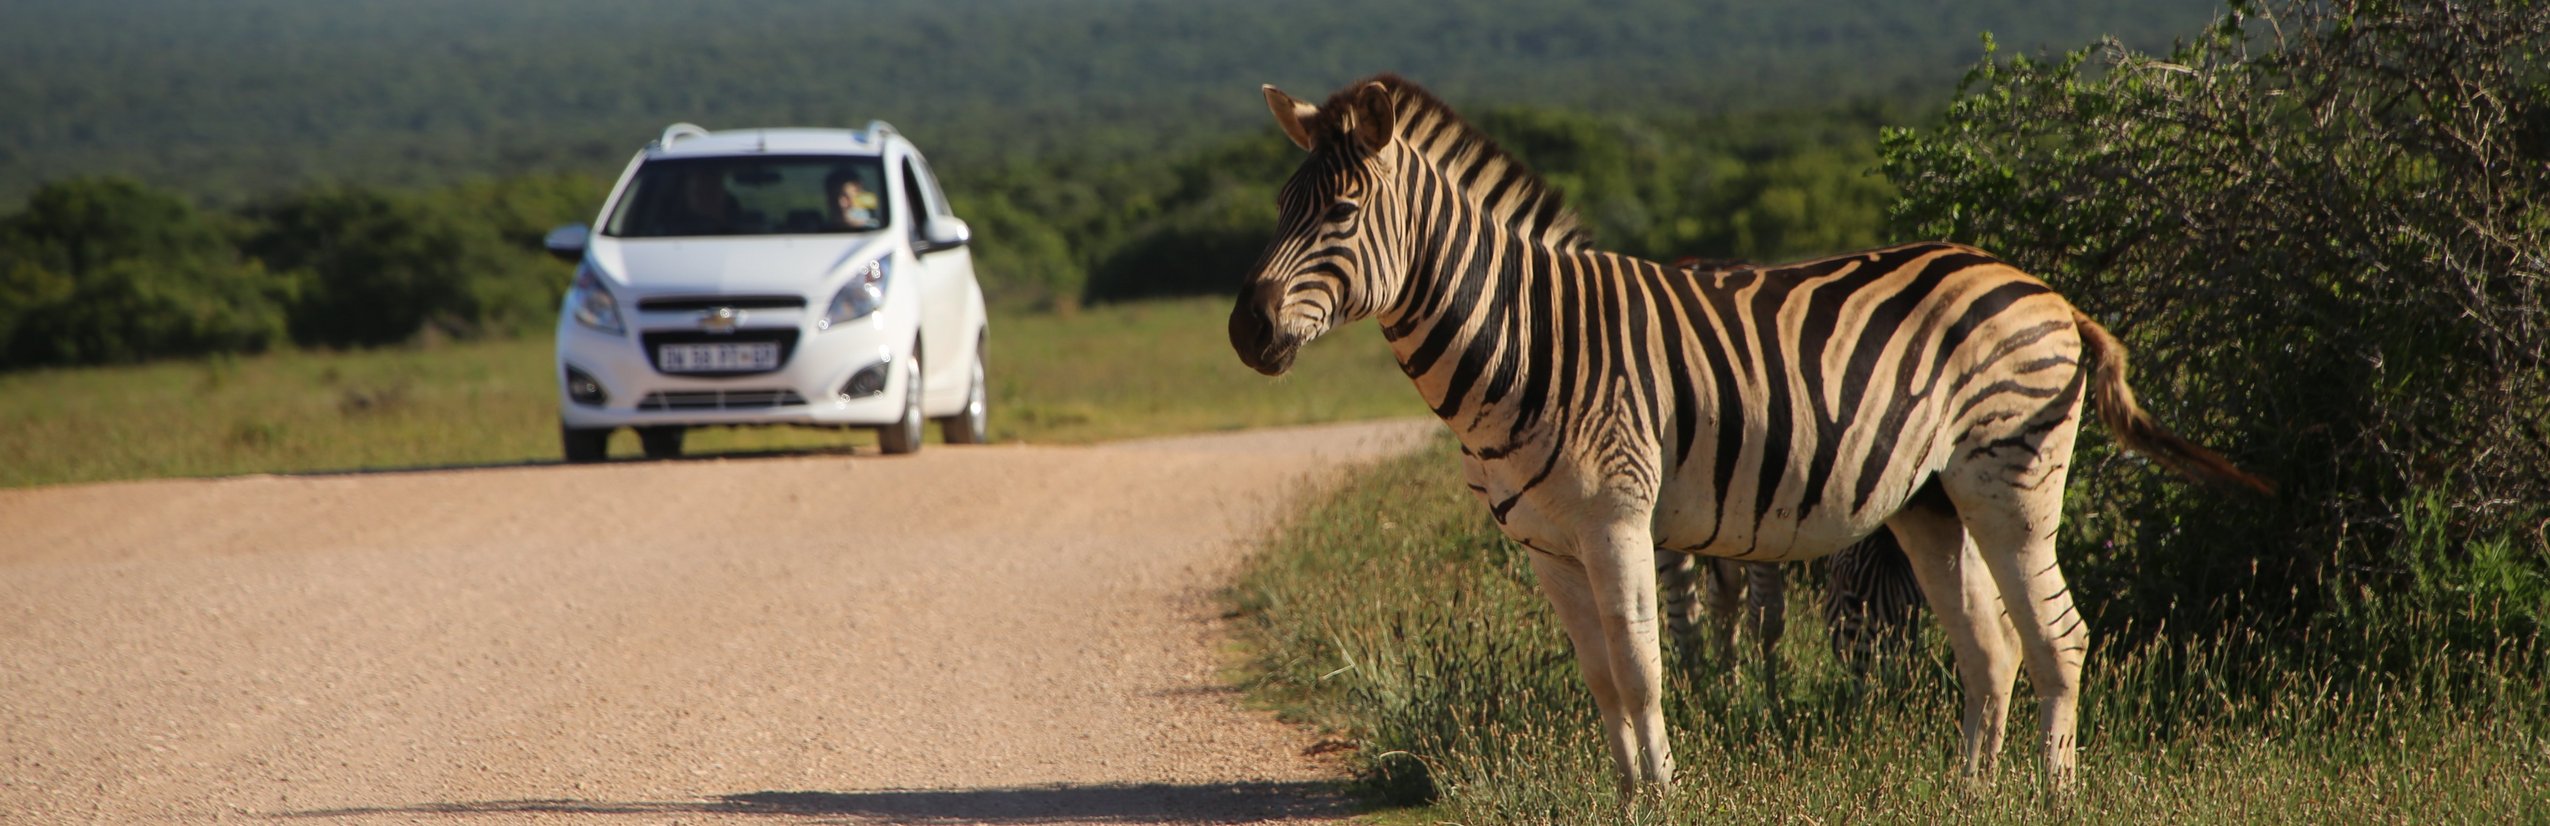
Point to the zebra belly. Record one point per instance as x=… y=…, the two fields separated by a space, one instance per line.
x=1684 y=517
x=1693 y=522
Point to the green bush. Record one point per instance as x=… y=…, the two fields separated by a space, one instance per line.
x=383 y=268
x=2324 y=231
x=106 y=270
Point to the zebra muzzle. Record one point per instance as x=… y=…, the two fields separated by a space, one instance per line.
x=1261 y=345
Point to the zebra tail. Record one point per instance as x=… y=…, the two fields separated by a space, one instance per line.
x=2136 y=429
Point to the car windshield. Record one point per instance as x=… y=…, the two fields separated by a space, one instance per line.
x=755 y=195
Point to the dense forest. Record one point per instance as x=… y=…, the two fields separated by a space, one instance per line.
x=234 y=100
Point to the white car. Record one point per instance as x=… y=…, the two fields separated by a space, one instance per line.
x=770 y=276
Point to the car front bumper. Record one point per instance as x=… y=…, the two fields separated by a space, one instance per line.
x=810 y=387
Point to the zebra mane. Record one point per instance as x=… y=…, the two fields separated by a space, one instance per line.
x=1430 y=126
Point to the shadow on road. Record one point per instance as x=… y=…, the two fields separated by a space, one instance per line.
x=1211 y=803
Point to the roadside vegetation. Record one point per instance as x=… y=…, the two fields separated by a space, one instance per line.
x=1395 y=617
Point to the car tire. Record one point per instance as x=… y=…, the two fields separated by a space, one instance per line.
x=584 y=445
x=664 y=442
x=904 y=435
x=969 y=424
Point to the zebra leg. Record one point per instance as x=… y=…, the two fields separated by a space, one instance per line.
x=1959 y=588
x=2016 y=536
x=1618 y=565
x=1678 y=585
x=1766 y=616
x=1565 y=584
x=1723 y=590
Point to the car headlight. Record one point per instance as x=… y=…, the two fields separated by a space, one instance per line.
x=863 y=295
x=592 y=304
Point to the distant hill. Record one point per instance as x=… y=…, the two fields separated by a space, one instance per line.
x=239 y=98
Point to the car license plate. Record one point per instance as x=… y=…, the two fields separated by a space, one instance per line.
x=717 y=358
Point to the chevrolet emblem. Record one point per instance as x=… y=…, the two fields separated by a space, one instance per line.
x=719 y=320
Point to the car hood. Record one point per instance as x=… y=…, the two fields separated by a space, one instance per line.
x=717 y=266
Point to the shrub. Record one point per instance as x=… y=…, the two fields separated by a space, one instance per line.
x=383 y=268
x=98 y=270
x=2321 y=228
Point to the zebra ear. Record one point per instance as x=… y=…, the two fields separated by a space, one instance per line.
x=1290 y=112
x=1376 y=116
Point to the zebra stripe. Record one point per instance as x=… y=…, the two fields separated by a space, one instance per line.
x=1608 y=406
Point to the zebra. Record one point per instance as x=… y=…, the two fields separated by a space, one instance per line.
x=1607 y=407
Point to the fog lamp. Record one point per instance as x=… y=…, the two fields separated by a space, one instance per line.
x=584 y=389
x=869 y=381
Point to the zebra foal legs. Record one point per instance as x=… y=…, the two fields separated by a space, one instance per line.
x=1732 y=593
x=1871 y=605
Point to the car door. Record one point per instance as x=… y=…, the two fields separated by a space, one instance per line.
x=946 y=282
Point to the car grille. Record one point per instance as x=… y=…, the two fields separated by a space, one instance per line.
x=676 y=304
x=720 y=400
x=785 y=336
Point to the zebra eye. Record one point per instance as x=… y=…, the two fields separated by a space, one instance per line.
x=1342 y=210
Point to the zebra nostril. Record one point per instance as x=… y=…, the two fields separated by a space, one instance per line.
x=1250 y=331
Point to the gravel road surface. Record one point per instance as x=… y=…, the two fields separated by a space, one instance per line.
x=1004 y=635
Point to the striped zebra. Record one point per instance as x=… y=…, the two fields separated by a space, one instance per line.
x=1607 y=405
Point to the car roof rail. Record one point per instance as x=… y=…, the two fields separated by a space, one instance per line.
x=679 y=131
x=877 y=130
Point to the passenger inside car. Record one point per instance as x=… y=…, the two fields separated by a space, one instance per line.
x=853 y=205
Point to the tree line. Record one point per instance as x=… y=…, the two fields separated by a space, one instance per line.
x=106 y=270
x=237 y=101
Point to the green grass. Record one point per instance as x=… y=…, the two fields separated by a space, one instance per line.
x=1393 y=614
x=1105 y=373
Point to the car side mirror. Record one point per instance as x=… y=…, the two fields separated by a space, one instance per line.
x=944 y=232
x=567 y=243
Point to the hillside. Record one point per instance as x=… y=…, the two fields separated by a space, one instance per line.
x=235 y=100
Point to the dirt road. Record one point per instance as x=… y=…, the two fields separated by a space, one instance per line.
x=1006 y=634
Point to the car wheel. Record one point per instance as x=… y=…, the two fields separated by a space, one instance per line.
x=904 y=436
x=585 y=444
x=662 y=442
x=968 y=425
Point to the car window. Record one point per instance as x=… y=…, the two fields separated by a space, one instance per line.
x=930 y=184
x=756 y=195
x=912 y=194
